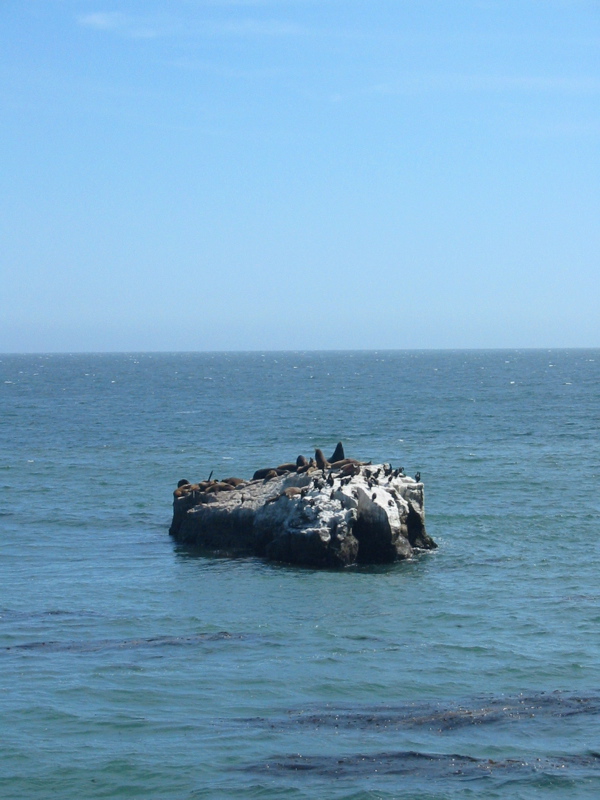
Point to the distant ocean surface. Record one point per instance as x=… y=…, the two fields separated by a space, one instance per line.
x=132 y=668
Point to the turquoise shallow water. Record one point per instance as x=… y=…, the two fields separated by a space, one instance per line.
x=130 y=667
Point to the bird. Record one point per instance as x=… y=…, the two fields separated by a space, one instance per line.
x=418 y=477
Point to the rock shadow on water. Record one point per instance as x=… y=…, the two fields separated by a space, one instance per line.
x=194 y=552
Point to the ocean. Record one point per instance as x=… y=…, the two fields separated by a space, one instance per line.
x=132 y=667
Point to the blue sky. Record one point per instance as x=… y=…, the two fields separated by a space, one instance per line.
x=299 y=174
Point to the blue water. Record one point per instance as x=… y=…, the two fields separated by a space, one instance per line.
x=130 y=667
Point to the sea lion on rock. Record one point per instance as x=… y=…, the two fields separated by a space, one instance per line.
x=338 y=453
x=301 y=462
x=344 y=462
x=185 y=489
x=261 y=473
x=233 y=481
x=320 y=459
x=291 y=491
x=288 y=467
x=182 y=482
x=219 y=486
x=351 y=468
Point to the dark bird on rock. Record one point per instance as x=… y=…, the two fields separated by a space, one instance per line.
x=418 y=477
x=374 y=496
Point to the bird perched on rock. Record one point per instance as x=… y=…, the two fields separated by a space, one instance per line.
x=418 y=477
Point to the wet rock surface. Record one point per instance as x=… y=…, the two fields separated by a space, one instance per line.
x=318 y=513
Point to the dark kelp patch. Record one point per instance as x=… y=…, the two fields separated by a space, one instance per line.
x=423 y=765
x=120 y=644
x=437 y=716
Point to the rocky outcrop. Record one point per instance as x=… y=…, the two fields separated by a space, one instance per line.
x=344 y=513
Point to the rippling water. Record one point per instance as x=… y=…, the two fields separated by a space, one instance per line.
x=130 y=667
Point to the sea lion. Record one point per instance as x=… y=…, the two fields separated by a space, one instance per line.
x=301 y=462
x=338 y=453
x=233 y=481
x=288 y=467
x=343 y=462
x=219 y=486
x=350 y=469
x=185 y=489
x=291 y=491
x=320 y=459
x=261 y=473
x=272 y=473
x=182 y=482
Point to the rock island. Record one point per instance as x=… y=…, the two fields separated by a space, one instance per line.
x=320 y=513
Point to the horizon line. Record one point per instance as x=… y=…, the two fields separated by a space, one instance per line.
x=297 y=350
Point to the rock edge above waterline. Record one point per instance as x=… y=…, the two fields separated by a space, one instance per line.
x=333 y=517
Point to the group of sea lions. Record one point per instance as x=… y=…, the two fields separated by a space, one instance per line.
x=338 y=461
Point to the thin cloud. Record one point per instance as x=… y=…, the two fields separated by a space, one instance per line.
x=133 y=27
x=251 y=27
x=117 y=23
x=104 y=21
x=454 y=82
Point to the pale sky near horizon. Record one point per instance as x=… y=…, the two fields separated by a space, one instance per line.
x=299 y=174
